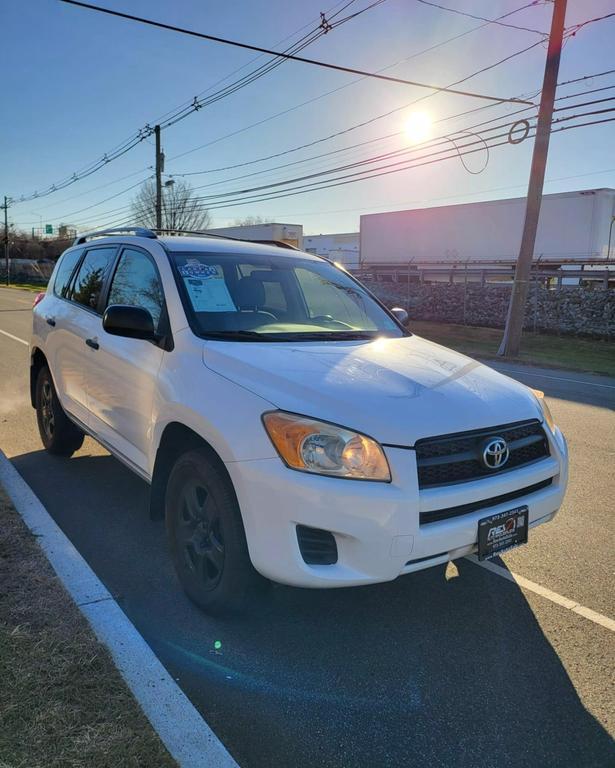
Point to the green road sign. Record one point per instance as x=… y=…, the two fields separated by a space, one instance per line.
x=48 y=229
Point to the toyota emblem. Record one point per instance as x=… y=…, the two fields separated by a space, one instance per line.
x=495 y=453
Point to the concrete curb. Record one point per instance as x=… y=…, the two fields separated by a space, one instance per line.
x=185 y=734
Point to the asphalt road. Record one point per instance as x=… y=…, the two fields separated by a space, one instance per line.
x=448 y=667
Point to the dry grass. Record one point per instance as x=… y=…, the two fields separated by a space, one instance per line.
x=62 y=701
x=591 y=356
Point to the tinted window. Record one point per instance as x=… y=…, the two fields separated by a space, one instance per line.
x=91 y=276
x=64 y=270
x=136 y=283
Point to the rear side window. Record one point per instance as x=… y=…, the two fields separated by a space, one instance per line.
x=91 y=276
x=64 y=270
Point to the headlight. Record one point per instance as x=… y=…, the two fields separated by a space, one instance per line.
x=325 y=449
x=540 y=396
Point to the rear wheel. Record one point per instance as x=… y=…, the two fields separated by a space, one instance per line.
x=58 y=433
x=206 y=535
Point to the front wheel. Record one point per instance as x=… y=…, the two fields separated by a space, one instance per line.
x=57 y=431
x=206 y=535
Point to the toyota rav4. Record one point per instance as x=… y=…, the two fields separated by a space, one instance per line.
x=289 y=426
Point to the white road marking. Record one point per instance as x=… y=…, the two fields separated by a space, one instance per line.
x=557 y=378
x=15 y=338
x=182 y=730
x=554 y=597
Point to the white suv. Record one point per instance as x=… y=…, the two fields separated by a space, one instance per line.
x=288 y=424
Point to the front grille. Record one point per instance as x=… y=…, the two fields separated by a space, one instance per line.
x=463 y=509
x=456 y=458
x=317 y=547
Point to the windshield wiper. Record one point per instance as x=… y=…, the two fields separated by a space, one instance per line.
x=326 y=336
x=237 y=335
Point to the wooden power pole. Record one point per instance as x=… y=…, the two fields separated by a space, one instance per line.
x=516 y=309
x=159 y=169
x=6 y=237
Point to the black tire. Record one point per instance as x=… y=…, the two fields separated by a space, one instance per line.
x=58 y=433
x=206 y=536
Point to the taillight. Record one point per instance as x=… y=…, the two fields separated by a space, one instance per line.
x=38 y=298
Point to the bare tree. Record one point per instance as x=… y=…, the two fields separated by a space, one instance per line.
x=181 y=210
x=250 y=221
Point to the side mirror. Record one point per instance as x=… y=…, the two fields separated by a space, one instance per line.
x=400 y=314
x=132 y=322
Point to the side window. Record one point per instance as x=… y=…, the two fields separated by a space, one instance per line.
x=136 y=282
x=91 y=276
x=64 y=270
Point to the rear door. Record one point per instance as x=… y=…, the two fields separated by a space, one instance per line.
x=123 y=373
x=78 y=325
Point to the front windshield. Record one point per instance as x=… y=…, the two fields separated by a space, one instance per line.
x=274 y=298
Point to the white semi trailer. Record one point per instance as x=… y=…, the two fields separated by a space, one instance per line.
x=573 y=226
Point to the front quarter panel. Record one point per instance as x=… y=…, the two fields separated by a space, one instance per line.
x=223 y=413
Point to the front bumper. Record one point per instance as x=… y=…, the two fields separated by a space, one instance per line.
x=376 y=525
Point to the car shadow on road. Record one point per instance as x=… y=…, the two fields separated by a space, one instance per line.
x=433 y=669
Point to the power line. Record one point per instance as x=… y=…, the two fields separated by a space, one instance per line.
x=292 y=57
x=376 y=173
x=194 y=106
x=376 y=117
x=482 y=18
x=571 y=31
x=246 y=196
x=460 y=134
x=143 y=133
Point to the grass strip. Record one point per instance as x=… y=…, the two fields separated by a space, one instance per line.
x=63 y=703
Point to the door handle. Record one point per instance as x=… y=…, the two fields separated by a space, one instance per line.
x=50 y=321
x=92 y=343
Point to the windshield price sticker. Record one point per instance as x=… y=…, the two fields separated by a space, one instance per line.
x=206 y=288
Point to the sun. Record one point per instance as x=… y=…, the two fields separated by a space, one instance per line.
x=418 y=127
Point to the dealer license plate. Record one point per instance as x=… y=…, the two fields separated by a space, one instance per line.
x=499 y=533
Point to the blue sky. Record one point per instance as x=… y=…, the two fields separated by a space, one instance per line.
x=78 y=83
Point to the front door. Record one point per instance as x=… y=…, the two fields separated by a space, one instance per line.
x=122 y=381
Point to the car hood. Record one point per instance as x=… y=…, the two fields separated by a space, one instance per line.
x=395 y=390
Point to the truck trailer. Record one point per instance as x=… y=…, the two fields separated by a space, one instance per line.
x=573 y=227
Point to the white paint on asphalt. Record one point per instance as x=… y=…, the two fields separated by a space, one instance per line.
x=15 y=338
x=558 y=378
x=185 y=734
x=554 y=597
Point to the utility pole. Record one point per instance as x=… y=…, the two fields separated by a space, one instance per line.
x=159 y=169
x=6 y=236
x=516 y=309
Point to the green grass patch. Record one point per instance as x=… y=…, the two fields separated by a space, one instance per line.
x=589 y=355
x=62 y=701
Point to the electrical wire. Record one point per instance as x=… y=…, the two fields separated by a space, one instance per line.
x=482 y=18
x=291 y=57
x=437 y=141
x=230 y=204
x=143 y=133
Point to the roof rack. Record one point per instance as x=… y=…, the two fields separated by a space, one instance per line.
x=277 y=243
x=136 y=231
x=152 y=234
x=197 y=232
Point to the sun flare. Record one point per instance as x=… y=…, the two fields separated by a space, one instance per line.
x=418 y=127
